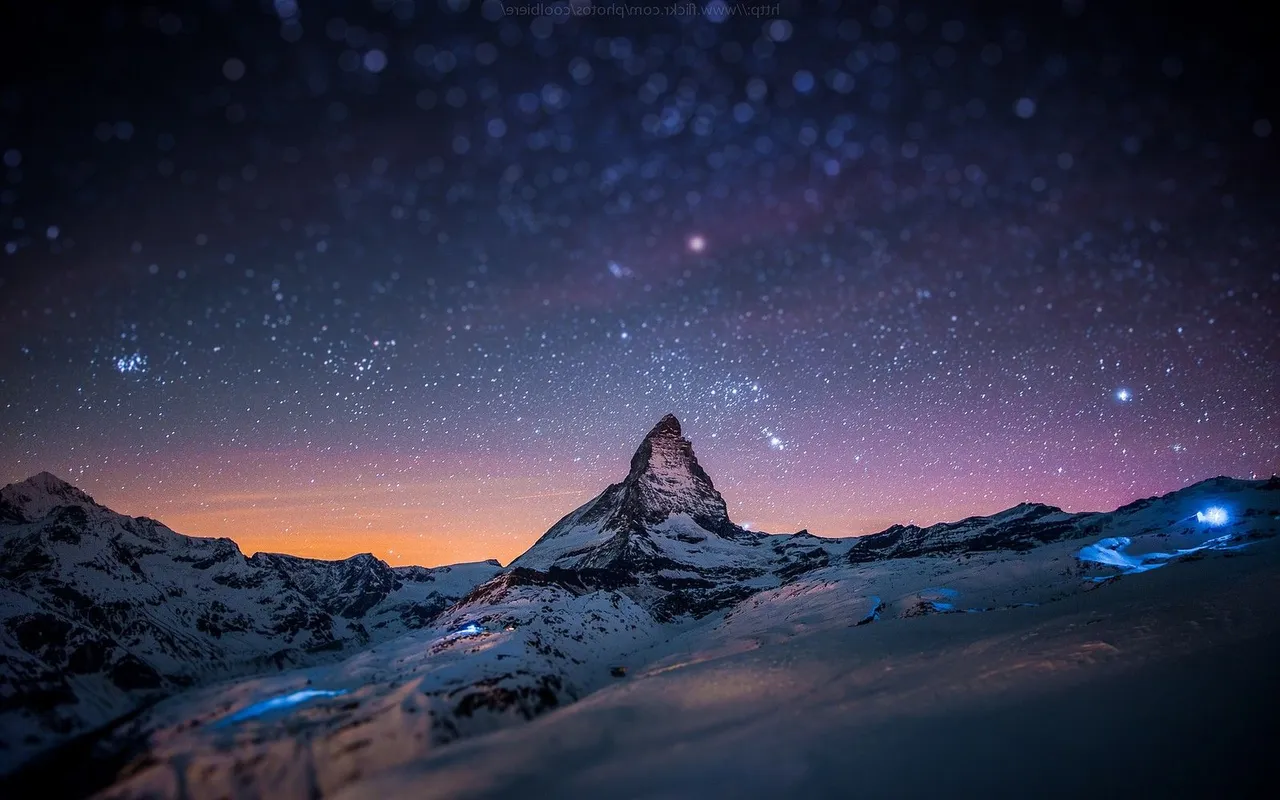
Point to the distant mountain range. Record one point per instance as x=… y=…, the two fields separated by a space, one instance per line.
x=100 y=611
x=102 y=614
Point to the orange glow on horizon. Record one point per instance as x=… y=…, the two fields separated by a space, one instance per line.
x=430 y=524
x=462 y=507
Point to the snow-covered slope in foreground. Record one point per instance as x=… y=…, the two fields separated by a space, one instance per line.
x=1159 y=685
x=101 y=613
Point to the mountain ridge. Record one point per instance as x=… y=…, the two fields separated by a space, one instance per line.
x=101 y=612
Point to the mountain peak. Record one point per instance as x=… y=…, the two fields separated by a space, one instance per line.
x=664 y=451
x=48 y=482
x=665 y=481
x=668 y=428
x=41 y=493
x=665 y=475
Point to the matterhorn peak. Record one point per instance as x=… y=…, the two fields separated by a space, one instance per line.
x=665 y=485
x=664 y=461
x=666 y=455
x=668 y=427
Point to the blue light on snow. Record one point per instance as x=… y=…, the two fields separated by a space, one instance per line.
x=874 y=614
x=939 y=598
x=279 y=703
x=1214 y=515
x=1111 y=552
x=470 y=629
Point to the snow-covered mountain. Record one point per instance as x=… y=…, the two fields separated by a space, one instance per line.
x=649 y=578
x=665 y=531
x=101 y=612
x=665 y=514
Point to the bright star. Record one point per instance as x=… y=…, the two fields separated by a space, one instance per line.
x=697 y=243
x=1124 y=395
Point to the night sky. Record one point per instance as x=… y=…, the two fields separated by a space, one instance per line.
x=414 y=278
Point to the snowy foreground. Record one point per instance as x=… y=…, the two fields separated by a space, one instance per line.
x=648 y=647
x=1159 y=685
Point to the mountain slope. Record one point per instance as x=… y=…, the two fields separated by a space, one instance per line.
x=100 y=612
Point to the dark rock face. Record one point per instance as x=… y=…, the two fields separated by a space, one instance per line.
x=700 y=603
x=573 y=581
x=666 y=479
x=346 y=589
x=526 y=700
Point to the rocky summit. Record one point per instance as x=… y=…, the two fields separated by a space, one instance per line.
x=664 y=515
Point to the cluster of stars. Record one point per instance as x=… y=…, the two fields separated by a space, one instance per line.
x=132 y=364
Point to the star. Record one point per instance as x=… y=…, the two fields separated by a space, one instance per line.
x=697 y=243
x=1124 y=395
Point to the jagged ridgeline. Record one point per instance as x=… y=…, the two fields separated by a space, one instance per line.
x=100 y=612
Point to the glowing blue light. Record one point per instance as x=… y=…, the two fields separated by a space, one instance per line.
x=939 y=591
x=470 y=629
x=939 y=598
x=278 y=703
x=1111 y=552
x=1215 y=516
x=1124 y=395
x=874 y=614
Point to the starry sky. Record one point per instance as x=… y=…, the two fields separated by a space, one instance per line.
x=414 y=277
